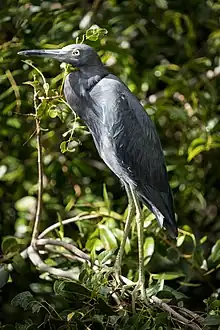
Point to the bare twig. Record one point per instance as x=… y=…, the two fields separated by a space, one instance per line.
x=57 y=224
x=159 y=303
x=193 y=315
x=67 y=221
x=65 y=245
x=63 y=254
x=38 y=262
x=30 y=137
x=189 y=323
x=40 y=184
x=15 y=89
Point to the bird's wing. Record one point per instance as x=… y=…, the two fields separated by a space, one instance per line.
x=138 y=150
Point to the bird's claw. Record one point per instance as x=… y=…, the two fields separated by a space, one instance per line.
x=138 y=287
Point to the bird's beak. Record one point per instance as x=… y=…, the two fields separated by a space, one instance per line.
x=57 y=54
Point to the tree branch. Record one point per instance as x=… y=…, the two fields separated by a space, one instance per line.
x=65 y=245
x=38 y=262
x=67 y=221
x=63 y=254
x=40 y=184
x=160 y=304
x=189 y=323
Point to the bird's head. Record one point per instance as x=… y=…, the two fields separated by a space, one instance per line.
x=78 y=55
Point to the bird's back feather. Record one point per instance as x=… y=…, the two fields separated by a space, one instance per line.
x=127 y=141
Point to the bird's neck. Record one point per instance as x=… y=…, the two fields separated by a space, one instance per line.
x=87 y=72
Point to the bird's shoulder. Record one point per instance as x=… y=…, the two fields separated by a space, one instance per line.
x=109 y=84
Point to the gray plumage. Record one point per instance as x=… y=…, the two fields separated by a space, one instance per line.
x=124 y=135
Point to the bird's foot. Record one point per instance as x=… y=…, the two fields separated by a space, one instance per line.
x=139 y=291
x=138 y=287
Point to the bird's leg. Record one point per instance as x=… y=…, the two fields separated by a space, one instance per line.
x=140 y=233
x=131 y=209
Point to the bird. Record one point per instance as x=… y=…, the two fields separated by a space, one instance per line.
x=125 y=137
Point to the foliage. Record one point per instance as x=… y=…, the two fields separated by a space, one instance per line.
x=168 y=55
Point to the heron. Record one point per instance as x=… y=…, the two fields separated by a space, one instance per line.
x=125 y=137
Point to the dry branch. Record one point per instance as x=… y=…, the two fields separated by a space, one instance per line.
x=67 y=221
x=40 y=183
x=181 y=319
x=38 y=262
x=65 y=245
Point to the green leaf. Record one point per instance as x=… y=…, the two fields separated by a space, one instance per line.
x=33 y=84
x=107 y=237
x=41 y=109
x=119 y=234
x=168 y=275
x=212 y=320
x=154 y=289
x=6 y=93
x=23 y=300
x=203 y=239
x=194 y=285
x=19 y=264
x=27 y=203
x=63 y=146
x=177 y=294
x=46 y=88
x=61 y=230
x=180 y=240
x=94 y=243
x=105 y=255
x=68 y=288
x=161 y=4
x=9 y=245
x=148 y=249
x=4 y=276
x=215 y=254
x=58 y=287
x=95 y=32
x=14 y=122
x=106 y=198
x=53 y=113
x=196 y=151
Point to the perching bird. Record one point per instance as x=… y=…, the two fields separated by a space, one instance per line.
x=124 y=135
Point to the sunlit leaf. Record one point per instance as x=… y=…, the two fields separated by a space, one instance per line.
x=215 y=255
x=167 y=276
x=95 y=32
x=63 y=146
x=107 y=237
x=148 y=249
x=106 y=197
x=196 y=151
x=180 y=240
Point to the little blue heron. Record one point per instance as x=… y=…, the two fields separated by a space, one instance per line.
x=125 y=138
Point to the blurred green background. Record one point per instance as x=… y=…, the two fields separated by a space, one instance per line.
x=168 y=53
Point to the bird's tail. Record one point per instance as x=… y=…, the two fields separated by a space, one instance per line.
x=161 y=204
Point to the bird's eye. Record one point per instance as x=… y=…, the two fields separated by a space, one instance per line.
x=76 y=52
